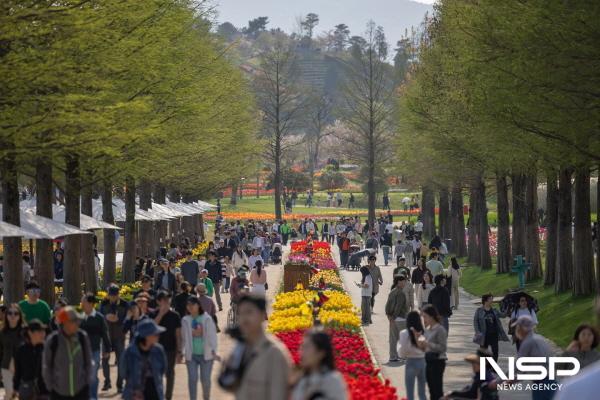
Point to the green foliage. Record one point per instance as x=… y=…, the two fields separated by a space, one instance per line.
x=331 y=179
x=572 y=311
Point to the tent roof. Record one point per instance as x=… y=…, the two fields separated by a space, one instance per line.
x=59 y=215
x=10 y=230
x=42 y=227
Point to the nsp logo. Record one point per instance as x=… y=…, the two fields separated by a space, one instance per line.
x=531 y=368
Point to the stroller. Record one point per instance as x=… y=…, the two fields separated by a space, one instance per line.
x=356 y=258
x=276 y=253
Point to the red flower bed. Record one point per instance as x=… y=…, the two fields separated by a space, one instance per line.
x=318 y=253
x=352 y=360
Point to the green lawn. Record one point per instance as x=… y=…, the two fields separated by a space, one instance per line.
x=559 y=314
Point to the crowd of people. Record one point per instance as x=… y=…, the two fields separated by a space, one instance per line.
x=172 y=319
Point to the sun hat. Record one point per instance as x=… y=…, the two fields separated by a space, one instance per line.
x=147 y=327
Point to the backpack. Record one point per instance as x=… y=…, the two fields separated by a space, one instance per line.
x=54 y=347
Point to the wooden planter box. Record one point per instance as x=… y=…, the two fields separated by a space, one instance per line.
x=292 y=273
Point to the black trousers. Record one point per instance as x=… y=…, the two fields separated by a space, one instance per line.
x=373 y=300
x=170 y=373
x=84 y=394
x=118 y=345
x=492 y=341
x=434 y=372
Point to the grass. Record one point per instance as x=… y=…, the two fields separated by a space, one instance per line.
x=559 y=314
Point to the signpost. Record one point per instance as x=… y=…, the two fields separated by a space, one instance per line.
x=521 y=267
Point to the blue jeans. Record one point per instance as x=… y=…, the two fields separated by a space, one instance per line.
x=386 y=254
x=95 y=381
x=196 y=362
x=543 y=394
x=415 y=369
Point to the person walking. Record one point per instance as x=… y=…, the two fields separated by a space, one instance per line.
x=534 y=345
x=414 y=355
x=376 y=277
x=386 y=246
x=180 y=300
x=434 y=265
x=165 y=279
x=114 y=310
x=28 y=381
x=170 y=338
x=319 y=379
x=434 y=343
x=10 y=340
x=425 y=288
x=286 y=230
x=239 y=258
x=487 y=325
x=190 y=269
x=395 y=310
x=416 y=248
x=455 y=273
x=440 y=299
x=265 y=358
x=199 y=347
x=524 y=308
x=95 y=326
x=144 y=364
x=344 y=249
x=33 y=307
x=213 y=266
x=67 y=358
x=366 y=293
x=258 y=279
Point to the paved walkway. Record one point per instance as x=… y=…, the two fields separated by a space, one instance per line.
x=458 y=372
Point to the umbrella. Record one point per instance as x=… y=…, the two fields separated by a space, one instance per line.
x=10 y=230
x=511 y=301
x=356 y=258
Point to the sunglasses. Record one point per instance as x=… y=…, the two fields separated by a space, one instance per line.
x=35 y=291
x=12 y=313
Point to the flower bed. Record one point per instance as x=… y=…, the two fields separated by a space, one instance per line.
x=297 y=311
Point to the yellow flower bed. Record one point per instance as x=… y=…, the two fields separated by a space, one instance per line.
x=293 y=299
x=346 y=319
x=337 y=301
x=291 y=319
x=331 y=277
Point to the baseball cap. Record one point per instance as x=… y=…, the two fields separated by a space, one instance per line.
x=163 y=260
x=68 y=313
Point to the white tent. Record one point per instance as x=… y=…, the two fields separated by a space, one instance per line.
x=59 y=214
x=169 y=210
x=10 y=230
x=43 y=227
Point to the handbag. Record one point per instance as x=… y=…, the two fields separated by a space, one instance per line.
x=477 y=338
x=266 y=286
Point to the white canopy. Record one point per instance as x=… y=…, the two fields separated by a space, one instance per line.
x=10 y=230
x=169 y=210
x=59 y=214
x=47 y=228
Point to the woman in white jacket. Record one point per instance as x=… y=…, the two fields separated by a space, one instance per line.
x=199 y=347
x=239 y=258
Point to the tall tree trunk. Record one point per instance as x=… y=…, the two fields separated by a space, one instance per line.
x=503 y=258
x=128 y=267
x=88 y=260
x=484 y=238
x=110 y=245
x=72 y=262
x=44 y=265
x=519 y=224
x=160 y=197
x=12 y=261
x=564 y=263
x=234 y=193
x=583 y=265
x=598 y=231
x=258 y=184
x=459 y=245
x=473 y=252
x=444 y=214
x=551 y=228
x=428 y=211
x=146 y=234
x=277 y=178
x=532 y=241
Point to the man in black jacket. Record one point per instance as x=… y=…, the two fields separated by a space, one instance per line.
x=114 y=310
x=165 y=280
x=97 y=330
x=440 y=299
x=215 y=273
